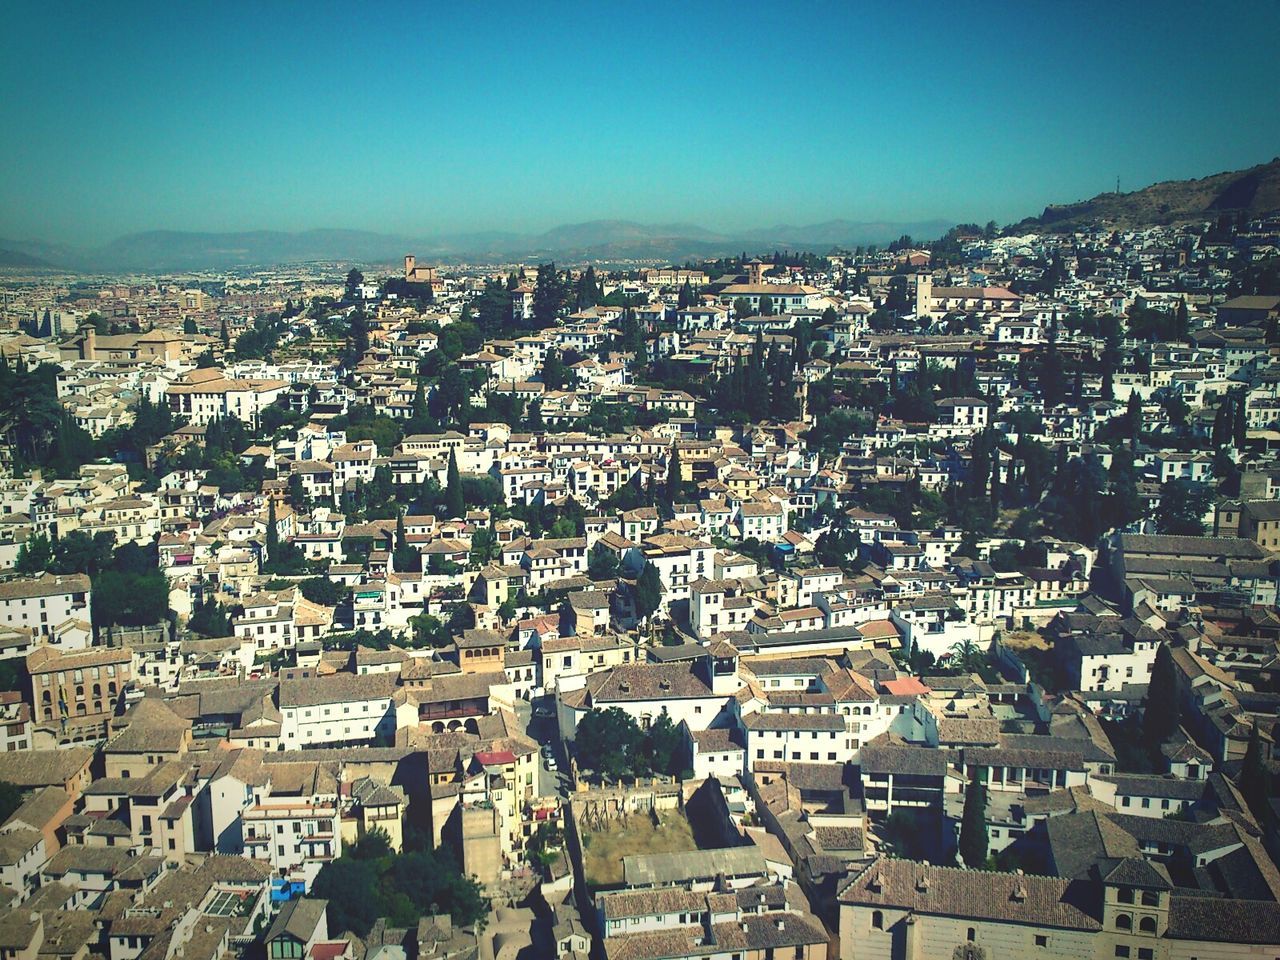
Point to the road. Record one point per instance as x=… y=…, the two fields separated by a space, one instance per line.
x=543 y=730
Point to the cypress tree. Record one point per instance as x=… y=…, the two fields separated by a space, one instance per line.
x=1162 y=716
x=453 y=502
x=273 y=536
x=973 y=826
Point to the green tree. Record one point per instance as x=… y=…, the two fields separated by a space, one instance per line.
x=10 y=799
x=354 y=279
x=322 y=590
x=602 y=563
x=675 y=477
x=353 y=889
x=609 y=743
x=648 y=591
x=209 y=619
x=1183 y=504
x=662 y=746
x=766 y=306
x=34 y=556
x=454 y=503
x=1163 y=713
x=404 y=557
x=548 y=295
x=973 y=825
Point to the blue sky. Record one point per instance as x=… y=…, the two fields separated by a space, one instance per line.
x=422 y=117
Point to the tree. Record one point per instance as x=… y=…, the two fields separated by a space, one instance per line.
x=10 y=799
x=209 y=619
x=608 y=742
x=1163 y=713
x=273 y=533
x=322 y=590
x=662 y=745
x=554 y=373
x=602 y=563
x=1182 y=507
x=686 y=297
x=454 y=504
x=973 y=826
x=34 y=556
x=353 y=890
x=354 y=279
x=675 y=477
x=548 y=295
x=405 y=557
x=130 y=599
x=189 y=326
x=648 y=591
x=766 y=306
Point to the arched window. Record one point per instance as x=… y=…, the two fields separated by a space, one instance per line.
x=971 y=935
x=1147 y=924
x=877 y=920
x=1124 y=922
x=97 y=689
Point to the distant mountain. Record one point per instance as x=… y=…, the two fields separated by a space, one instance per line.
x=608 y=240
x=1254 y=192
x=13 y=258
x=34 y=255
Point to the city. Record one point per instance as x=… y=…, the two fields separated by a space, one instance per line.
x=647 y=593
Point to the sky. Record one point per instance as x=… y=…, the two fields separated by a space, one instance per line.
x=427 y=118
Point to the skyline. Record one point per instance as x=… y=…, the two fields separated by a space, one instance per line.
x=422 y=122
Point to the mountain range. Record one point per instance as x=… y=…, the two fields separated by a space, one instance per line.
x=601 y=240
x=1252 y=192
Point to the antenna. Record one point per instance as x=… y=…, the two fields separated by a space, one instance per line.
x=1117 y=184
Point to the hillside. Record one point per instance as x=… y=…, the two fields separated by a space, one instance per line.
x=1254 y=192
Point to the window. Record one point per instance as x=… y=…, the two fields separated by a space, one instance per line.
x=1146 y=953
x=1150 y=898
x=1126 y=895
x=1122 y=951
x=971 y=935
x=1041 y=940
x=1124 y=922
x=877 y=920
x=1147 y=925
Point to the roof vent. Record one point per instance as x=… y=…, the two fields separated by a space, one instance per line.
x=922 y=884
x=624 y=686
x=664 y=684
x=780 y=924
x=1019 y=893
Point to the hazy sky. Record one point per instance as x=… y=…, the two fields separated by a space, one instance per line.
x=428 y=117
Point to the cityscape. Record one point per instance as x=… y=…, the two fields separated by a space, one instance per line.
x=546 y=531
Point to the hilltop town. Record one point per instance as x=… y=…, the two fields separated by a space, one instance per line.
x=902 y=602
